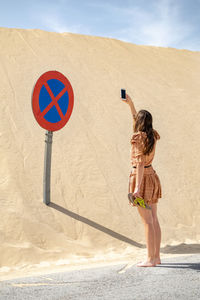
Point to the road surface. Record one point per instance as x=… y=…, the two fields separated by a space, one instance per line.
x=176 y=278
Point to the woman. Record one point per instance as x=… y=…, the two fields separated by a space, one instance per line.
x=143 y=180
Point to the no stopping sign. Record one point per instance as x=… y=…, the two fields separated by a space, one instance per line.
x=52 y=100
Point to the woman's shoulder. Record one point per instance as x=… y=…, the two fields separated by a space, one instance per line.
x=138 y=136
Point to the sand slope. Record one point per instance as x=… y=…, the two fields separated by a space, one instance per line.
x=90 y=155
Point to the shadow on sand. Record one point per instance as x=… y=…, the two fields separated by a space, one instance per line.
x=178 y=249
x=96 y=225
x=181 y=249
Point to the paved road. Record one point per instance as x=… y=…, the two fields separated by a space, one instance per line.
x=177 y=278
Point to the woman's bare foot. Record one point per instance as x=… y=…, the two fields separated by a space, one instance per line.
x=146 y=264
x=157 y=261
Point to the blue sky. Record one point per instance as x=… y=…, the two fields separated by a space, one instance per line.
x=165 y=23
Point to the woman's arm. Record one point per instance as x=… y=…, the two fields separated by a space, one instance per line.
x=129 y=101
x=131 y=104
x=139 y=177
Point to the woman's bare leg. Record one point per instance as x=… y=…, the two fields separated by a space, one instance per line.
x=157 y=233
x=147 y=219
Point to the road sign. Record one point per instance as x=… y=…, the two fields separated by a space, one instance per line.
x=52 y=104
x=52 y=100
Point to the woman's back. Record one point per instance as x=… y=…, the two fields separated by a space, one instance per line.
x=137 y=148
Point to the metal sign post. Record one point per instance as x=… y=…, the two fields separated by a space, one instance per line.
x=47 y=167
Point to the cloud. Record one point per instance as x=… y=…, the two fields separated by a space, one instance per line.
x=53 y=18
x=56 y=23
x=143 y=22
x=158 y=24
x=165 y=27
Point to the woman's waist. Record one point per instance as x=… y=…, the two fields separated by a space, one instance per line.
x=148 y=169
x=147 y=166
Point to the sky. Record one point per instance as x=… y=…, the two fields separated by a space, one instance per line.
x=164 y=23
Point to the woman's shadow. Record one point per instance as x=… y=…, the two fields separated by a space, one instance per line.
x=182 y=249
x=181 y=265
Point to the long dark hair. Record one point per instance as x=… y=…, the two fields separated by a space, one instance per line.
x=143 y=122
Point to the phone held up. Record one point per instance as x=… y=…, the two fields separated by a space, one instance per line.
x=123 y=94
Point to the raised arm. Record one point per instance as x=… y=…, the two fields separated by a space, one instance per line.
x=129 y=101
x=131 y=104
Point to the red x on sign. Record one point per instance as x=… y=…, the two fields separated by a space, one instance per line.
x=52 y=100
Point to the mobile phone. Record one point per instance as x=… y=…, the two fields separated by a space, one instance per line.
x=123 y=94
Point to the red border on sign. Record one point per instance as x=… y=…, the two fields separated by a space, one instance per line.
x=39 y=116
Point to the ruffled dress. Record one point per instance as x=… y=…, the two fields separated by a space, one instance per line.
x=150 y=189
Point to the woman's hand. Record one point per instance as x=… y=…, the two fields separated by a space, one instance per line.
x=128 y=99
x=136 y=193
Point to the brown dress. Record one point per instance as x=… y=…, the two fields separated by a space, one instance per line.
x=150 y=189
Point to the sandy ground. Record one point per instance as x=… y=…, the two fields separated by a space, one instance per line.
x=89 y=220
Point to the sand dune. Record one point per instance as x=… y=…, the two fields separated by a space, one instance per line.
x=90 y=217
